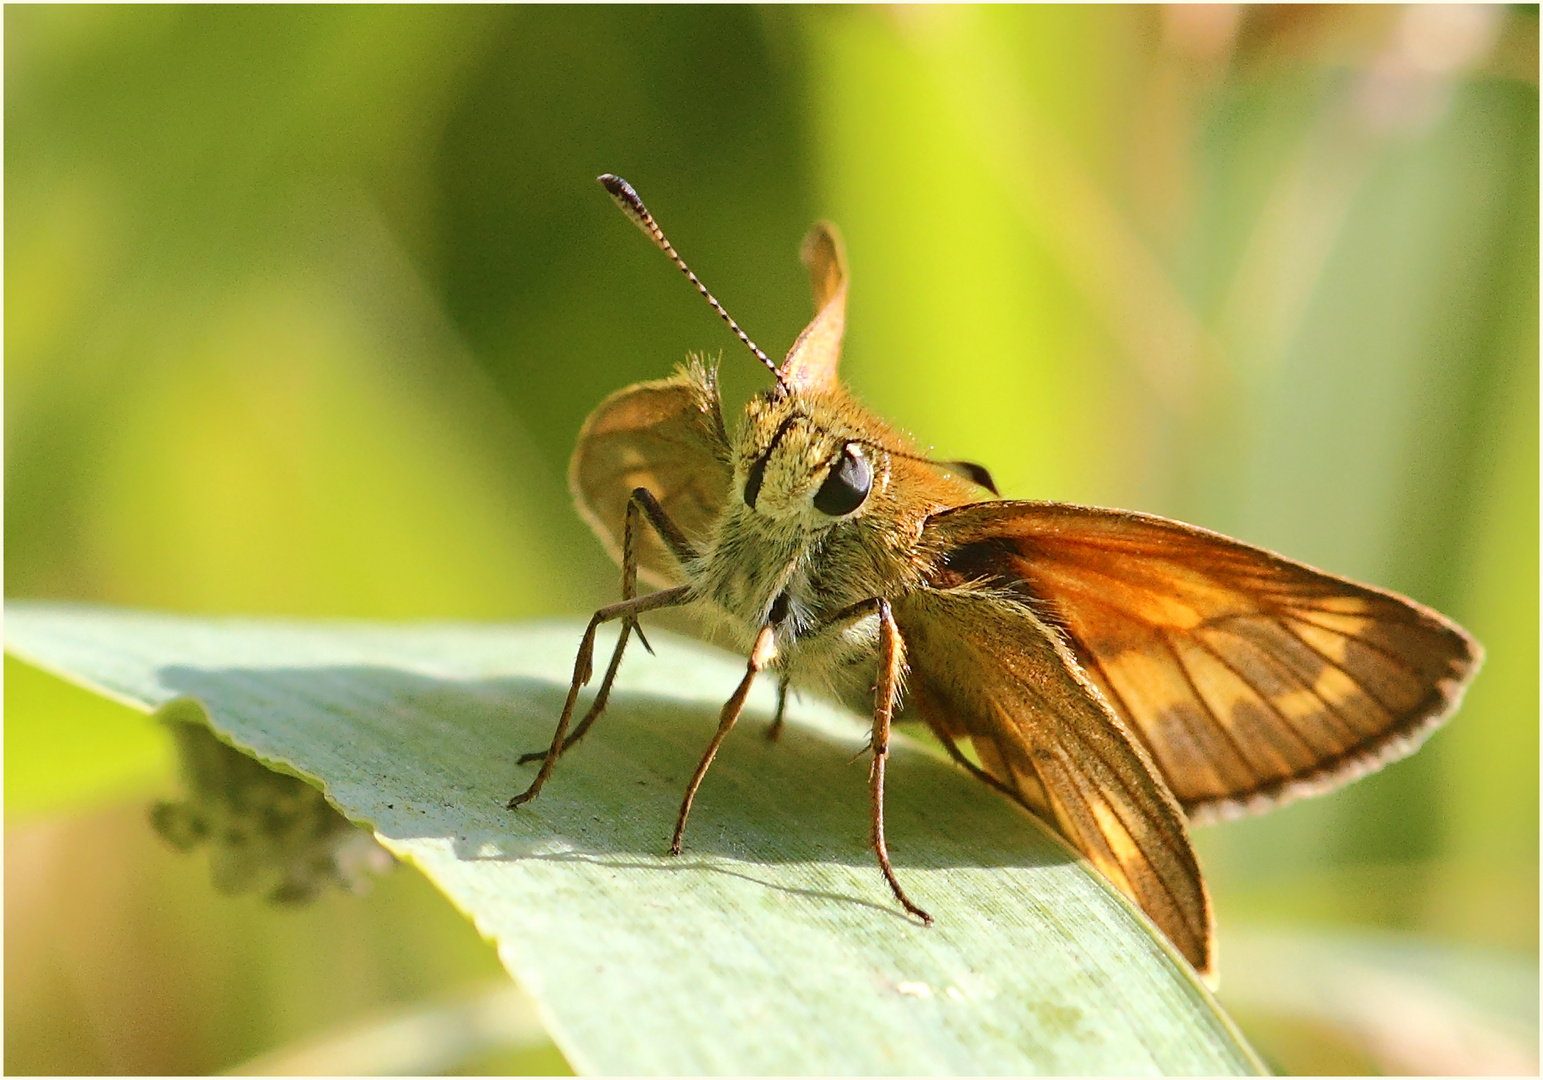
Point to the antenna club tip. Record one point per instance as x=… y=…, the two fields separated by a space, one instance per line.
x=625 y=196
x=624 y=193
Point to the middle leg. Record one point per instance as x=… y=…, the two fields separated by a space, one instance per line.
x=761 y=653
x=775 y=731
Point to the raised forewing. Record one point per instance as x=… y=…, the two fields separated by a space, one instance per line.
x=1251 y=679
x=812 y=361
x=666 y=436
x=987 y=669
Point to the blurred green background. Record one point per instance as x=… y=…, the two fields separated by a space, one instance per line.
x=304 y=307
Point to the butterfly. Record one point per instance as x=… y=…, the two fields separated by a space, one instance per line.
x=1121 y=675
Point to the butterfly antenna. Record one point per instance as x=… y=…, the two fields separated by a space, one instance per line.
x=627 y=198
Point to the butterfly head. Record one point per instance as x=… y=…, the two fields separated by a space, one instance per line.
x=799 y=461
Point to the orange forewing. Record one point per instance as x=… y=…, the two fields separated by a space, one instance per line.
x=1250 y=678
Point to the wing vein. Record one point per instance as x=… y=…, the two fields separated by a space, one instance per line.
x=1401 y=717
x=1371 y=646
x=1194 y=689
x=1077 y=782
x=1285 y=723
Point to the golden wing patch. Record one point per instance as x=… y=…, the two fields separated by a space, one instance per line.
x=988 y=669
x=1250 y=678
x=666 y=436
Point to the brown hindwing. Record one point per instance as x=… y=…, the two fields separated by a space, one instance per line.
x=987 y=669
x=1251 y=679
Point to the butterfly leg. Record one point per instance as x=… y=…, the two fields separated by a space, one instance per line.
x=583 y=668
x=641 y=503
x=970 y=767
x=761 y=653
x=891 y=665
x=775 y=731
x=597 y=706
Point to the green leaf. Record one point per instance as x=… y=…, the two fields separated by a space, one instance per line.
x=771 y=945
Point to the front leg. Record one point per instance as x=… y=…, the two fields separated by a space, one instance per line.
x=583 y=668
x=641 y=504
x=761 y=653
x=891 y=669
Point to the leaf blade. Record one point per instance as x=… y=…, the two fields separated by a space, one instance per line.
x=771 y=945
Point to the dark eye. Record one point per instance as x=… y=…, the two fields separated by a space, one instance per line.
x=848 y=484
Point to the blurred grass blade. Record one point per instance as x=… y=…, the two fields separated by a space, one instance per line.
x=68 y=749
x=1411 y=1006
x=772 y=945
x=432 y=1040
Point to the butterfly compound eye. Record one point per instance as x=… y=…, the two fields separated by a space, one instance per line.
x=848 y=484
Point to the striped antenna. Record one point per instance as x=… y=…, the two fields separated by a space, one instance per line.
x=627 y=198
